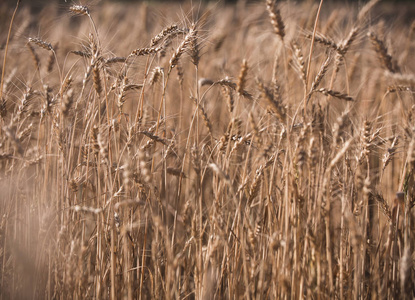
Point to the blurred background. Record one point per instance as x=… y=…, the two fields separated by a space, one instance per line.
x=405 y=7
x=94 y=2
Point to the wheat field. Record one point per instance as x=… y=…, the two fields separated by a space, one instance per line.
x=256 y=150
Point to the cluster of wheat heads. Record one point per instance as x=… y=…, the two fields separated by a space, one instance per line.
x=217 y=155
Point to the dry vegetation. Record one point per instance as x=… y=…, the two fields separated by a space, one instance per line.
x=215 y=152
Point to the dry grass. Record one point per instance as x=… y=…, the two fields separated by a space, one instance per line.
x=206 y=157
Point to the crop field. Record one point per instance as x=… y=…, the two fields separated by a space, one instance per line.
x=254 y=150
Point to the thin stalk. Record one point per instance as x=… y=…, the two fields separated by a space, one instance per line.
x=6 y=49
x=311 y=52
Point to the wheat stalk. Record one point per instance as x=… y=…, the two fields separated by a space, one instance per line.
x=276 y=19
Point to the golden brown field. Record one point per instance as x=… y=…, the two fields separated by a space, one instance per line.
x=257 y=150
